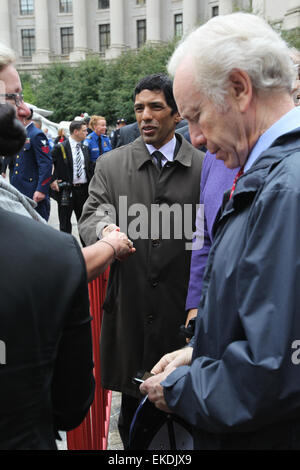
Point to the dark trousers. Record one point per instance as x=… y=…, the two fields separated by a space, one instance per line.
x=43 y=208
x=128 y=408
x=79 y=195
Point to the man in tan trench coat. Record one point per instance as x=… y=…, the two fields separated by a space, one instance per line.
x=156 y=207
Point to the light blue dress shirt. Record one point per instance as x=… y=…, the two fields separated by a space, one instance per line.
x=287 y=123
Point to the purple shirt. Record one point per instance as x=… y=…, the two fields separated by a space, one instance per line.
x=216 y=178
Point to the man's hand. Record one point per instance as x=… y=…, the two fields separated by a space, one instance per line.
x=181 y=357
x=38 y=196
x=122 y=245
x=54 y=186
x=192 y=313
x=155 y=391
x=162 y=369
x=110 y=228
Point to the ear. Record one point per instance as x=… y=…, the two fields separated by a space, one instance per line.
x=240 y=88
x=177 y=118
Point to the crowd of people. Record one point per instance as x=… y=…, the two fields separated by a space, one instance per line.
x=199 y=226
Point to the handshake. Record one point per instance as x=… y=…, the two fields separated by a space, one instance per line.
x=113 y=245
x=122 y=246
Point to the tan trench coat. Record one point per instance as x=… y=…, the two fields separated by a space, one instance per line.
x=145 y=301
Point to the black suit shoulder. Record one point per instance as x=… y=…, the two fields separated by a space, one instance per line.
x=43 y=318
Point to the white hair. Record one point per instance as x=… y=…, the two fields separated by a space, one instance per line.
x=236 y=41
x=7 y=56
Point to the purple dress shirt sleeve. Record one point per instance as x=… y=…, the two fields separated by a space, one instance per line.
x=216 y=178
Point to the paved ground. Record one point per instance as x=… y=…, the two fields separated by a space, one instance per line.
x=114 y=442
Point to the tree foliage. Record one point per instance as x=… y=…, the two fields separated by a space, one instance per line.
x=102 y=87
x=96 y=86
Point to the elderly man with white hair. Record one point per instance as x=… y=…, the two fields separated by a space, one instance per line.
x=238 y=382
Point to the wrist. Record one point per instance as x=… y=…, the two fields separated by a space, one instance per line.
x=111 y=245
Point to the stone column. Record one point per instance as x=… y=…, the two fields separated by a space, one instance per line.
x=5 y=23
x=190 y=15
x=42 y=45
x=225 y=7
x=292 y=16
x=79 y=31
x=117 y=41
x=153 y=21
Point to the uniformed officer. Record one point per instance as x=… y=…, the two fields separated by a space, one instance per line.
x=33 y=168
x=114 y=136
x=98 y=142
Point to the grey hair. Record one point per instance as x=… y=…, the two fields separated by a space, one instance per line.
x=7 y=56
x=236 y=41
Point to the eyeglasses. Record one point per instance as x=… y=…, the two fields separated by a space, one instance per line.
x=18 y=98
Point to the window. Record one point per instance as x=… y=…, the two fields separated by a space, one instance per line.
x=26 y=7
x=28 y=42
x=215 y=11
x=141 y=32
x=103 y=4
x=65 y=6
x=104 y=37
x=178 y=25
x=67 y=40
x=141 y=2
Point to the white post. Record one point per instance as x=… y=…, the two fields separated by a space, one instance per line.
x=42 y=47
x=225 y=7
x=117 y=42
x=4 y=23
x=190 y=15
x=153 y=21
x=292 y=16
x=80 y=31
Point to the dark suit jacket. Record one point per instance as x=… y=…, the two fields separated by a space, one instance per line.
x=63 y=168
x=46 y=365
x=128 y=134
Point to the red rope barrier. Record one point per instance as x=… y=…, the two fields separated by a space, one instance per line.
x=92 y=434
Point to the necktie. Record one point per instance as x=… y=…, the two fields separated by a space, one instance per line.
x=240 y=173
x=78 y=161
x=158 y=156
x=100 y=146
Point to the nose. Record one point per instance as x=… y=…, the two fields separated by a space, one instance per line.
x=147 y=114
x=23 y=111
x=196 y=135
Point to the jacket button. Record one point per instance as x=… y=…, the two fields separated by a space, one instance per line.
x=150 y=319
x=154 y=283
x=155 y=243
x=17 y=164
x=16 y=172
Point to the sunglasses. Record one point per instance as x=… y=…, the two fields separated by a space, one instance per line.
x=18 y=98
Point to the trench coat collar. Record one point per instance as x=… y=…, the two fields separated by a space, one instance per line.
x=142 y=156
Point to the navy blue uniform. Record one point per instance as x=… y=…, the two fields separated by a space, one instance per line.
x=33 y=168
x=92 y=142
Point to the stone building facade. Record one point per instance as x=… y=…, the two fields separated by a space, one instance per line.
x=43 y=31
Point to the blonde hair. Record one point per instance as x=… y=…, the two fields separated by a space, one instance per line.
x=94 y=119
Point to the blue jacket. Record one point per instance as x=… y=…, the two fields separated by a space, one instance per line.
x=92 y=141
x=33 y=166
x=242 y=389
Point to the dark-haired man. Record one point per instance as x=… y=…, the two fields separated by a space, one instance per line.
x=72 y=174
x=145 y=302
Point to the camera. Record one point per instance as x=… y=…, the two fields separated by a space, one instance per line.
x=65 y=190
